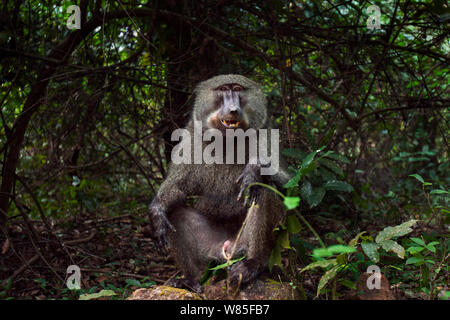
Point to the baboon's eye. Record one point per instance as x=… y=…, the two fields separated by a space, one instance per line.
x=223 y=88
x=238 y=88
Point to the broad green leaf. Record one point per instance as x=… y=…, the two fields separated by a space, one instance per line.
x=291 y=202
x=309 y=158
x=294 y=153
x=418 y=241
x=332 y=250
x=283 y=240
x=329 y=275
x=316 y=197
x=319 y=264
x=275 y=257
x=340 y=248
x=103 y=293
x=292 y=224
x=414 y=250
x=306 y=189
x=133 y=282
x=294 y=181
x=444 y=295
x=332 y=166
x=338 y=186
x=395 y=232
x=327 y=175
x=371 y=250
x=438 y=191
x=390 y=245
x=418 y=177
x=321 y=253
x=414 y=260
x=338 y=157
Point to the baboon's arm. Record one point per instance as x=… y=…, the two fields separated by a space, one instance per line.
x=175 y=188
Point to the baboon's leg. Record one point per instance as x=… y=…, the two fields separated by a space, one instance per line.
x=196 y=242
x=257 y=239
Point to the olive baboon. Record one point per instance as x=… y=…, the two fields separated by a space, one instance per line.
x=205 y=231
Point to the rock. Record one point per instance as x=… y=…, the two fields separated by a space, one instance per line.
x=258 y=290
x=163 y=293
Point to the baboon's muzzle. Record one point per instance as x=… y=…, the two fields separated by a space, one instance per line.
x=231 y=113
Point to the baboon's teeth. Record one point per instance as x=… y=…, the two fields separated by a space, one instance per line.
x=230 y=124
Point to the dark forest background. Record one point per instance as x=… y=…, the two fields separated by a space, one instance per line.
x=86 y=119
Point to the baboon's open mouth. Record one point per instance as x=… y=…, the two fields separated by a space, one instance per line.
x=230 y=123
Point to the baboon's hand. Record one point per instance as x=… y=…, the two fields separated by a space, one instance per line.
x=159 y=224
x=250 y=174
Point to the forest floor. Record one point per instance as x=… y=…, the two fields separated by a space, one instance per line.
x=114 y=254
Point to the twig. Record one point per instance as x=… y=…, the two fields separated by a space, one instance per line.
x=138 y=276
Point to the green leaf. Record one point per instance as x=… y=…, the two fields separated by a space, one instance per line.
x=306 y=189
x=418 y=241
x=319 y=264
x=294 y=153
x=371 y=250
x=321 y=253
x=444 y=295
x=332 y=166
x=224 y=265
x=103 y=293
x=291 y=202
x=316 y=197
x=275 y=257
x=390 y=245
x=418 y=177
x=329 y=275
x=335 y=249
x=292 y=224
x=394 y=232
x=283 y=240
x=438 y=191
x=338 y=157
x=414 y=260
x=312 y=196
x=340 y=248
x=414 y=250
x=294 y=181
x=133 y=282
x=309 y=158
x=338 y=186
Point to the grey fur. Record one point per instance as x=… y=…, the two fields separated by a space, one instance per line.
x=218 y=215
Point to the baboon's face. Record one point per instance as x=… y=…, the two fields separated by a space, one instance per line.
x=229 y=105
x=230 y=102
